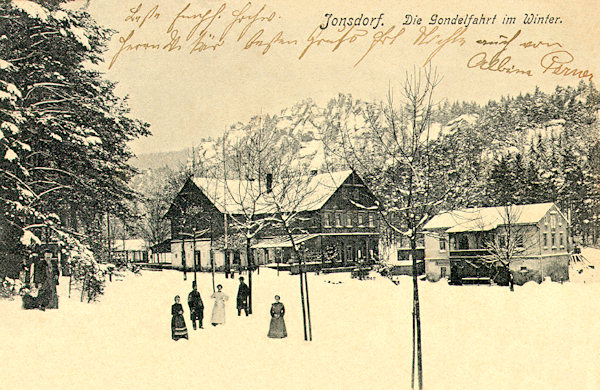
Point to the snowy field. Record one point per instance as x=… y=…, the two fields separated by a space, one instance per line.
x=474 y=337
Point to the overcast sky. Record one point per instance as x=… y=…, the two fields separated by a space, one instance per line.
x=186 y=96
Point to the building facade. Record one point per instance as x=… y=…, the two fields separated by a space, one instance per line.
x=529 y=241
x=334 y=222
x=129 y=250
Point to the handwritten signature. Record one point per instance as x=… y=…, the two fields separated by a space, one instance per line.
x=197 y=30
x=552 y=63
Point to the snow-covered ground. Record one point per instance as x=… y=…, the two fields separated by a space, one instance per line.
x=474 y=337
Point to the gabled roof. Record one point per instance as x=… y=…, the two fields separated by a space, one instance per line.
x=246 y=197
x=488 y=218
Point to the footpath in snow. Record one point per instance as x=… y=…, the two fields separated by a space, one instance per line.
x=474 y=337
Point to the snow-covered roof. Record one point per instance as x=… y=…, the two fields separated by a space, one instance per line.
x=488 y=218
x=136 y=244
x=250 y=197
x=283 y=241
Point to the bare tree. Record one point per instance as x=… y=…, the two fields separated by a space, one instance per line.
x=508 y=242
x=390 y=145
x=288 y=200
x=250 y=159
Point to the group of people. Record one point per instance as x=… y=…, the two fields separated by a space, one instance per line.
x=178 y=327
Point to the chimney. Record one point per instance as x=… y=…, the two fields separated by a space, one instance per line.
x=269 y=182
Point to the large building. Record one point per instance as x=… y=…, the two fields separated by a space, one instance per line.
x=470 y=244
x=333 y=220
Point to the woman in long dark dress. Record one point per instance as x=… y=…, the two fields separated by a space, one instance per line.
x=178 y=328
x=277 y=327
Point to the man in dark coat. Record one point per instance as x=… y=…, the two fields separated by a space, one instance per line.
x=196 y=306
x=242 y=297
x=39 y=270
x=55 y=270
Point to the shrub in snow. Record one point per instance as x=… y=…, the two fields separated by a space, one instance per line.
x=10 y=287
x=85 y=270
x=522 y=277
x=557 y=272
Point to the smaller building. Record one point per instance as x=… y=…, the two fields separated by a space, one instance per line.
x=130 y=250
x=396 y=254
x=161 y=253
x=530 y=241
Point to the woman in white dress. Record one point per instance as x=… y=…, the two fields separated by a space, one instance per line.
x=218 y=313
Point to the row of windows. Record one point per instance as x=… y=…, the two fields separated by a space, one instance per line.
x=349 y=219
x=462 y=242
x=561 y=239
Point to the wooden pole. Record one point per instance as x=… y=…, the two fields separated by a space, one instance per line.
x=183 y=257
x=302 y=298
x=108 y=236
x=212 y=265
x=212 y=257
x=195 y=266
x=250 y=261
x=307 y=306
x=412 y=372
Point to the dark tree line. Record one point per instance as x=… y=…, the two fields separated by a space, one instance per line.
x=64 y=133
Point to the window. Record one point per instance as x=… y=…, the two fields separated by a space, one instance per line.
x=361 y=219
x=553 y=221
x=349 y=220
x=338 y=219
x=463 y=242
x=371 y=220
x=545 y=239
x=443 y=244
x=553 y=239
x=443 y=272
x=502 y=241
x=523 y=268
x=519 y=240
x=326 y=219
x=561 y=240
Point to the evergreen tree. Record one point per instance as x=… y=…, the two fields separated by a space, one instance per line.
x=63 y=146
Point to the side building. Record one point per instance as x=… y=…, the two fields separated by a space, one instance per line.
x=484 y=244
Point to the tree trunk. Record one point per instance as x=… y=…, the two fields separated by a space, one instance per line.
x=83 y=287
x=302 y=298
x=417 y=313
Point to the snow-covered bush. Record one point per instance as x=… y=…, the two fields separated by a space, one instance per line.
x=522 y=277
x=84 y=268
x=9 y=287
